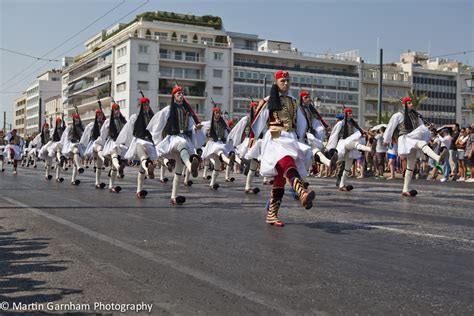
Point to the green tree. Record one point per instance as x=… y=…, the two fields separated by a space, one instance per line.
x=417 y=99
x=386 y=117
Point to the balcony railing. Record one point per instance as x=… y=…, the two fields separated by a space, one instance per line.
x=371 y=79
x=78 y=102
x=181 y=76
x=352 y=56
x=99 y=65
x=173 y=39
x=187 y=92
x=310 y=70
x=89 y=85
x=197 y=59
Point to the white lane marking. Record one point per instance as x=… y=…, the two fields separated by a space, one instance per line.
x=199 y=275
x=408 y=232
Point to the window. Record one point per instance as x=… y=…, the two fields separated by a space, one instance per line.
x=218 y=56
x=121 y=103
x=121 y=69
x=207 y=40
x=142 y=85
x=183 y=38
x=164 y=53
x=217 y=90
x=191 y=56
x=192 y=73
x=166 y=71
x=161 y=35
x=178 y=55
x=121 y=86
x=217 y=73
x=142 y=67
x=122 y=51
x=143 y=49
x=178 y=72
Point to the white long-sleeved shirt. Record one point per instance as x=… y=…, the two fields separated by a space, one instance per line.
x=395 y=120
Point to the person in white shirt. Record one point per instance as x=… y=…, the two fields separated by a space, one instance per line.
x=412 y=135
x=381 y=152
x=445 y=140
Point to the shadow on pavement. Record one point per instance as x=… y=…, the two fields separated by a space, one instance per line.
x=19 y=259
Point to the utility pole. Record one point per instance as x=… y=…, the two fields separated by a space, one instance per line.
x=4 y=120
x=39 y=114
x=379 y=105
x=264 y=87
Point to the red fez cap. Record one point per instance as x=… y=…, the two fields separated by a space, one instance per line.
x=216 y=110
x=75 y=115
x=97 y=111
x=58 y=119
x=176 y=89
x=406 y=100
x=253 y=104
x=281 y=74
x=115 y=106
x=143 y=100
x=347 y=110
x=13 y=130
x=230 y=122
x=45 y=124
x=304 y=93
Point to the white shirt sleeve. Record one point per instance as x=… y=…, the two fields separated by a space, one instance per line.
x=334 y=137
x=260 y=123
x=300 y=124
x=396 y=119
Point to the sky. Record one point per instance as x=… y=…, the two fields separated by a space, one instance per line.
x=51 y=29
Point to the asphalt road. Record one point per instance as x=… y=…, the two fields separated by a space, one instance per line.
x=365 y=252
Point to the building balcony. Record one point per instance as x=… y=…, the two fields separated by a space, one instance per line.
x=172 y=40
x=298 y=69
x=346 y=57
x=89 y=102
x=167 y=94
x=404 y=83
x=99 y=66
x=467 y=91
x=385 y=99
x=184 y=59
x=90 y=86
x=196 y=42
x=466 y=109
x=169 y=76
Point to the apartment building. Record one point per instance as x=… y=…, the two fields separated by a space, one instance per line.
x=53 y=107
x=45 y=86
x=19 y=115
x=466 y=86
x=396 y=84
x=439 y=80
x=150 y=55
x=334 y=78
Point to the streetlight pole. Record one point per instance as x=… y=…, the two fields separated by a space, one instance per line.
x=379 y=105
